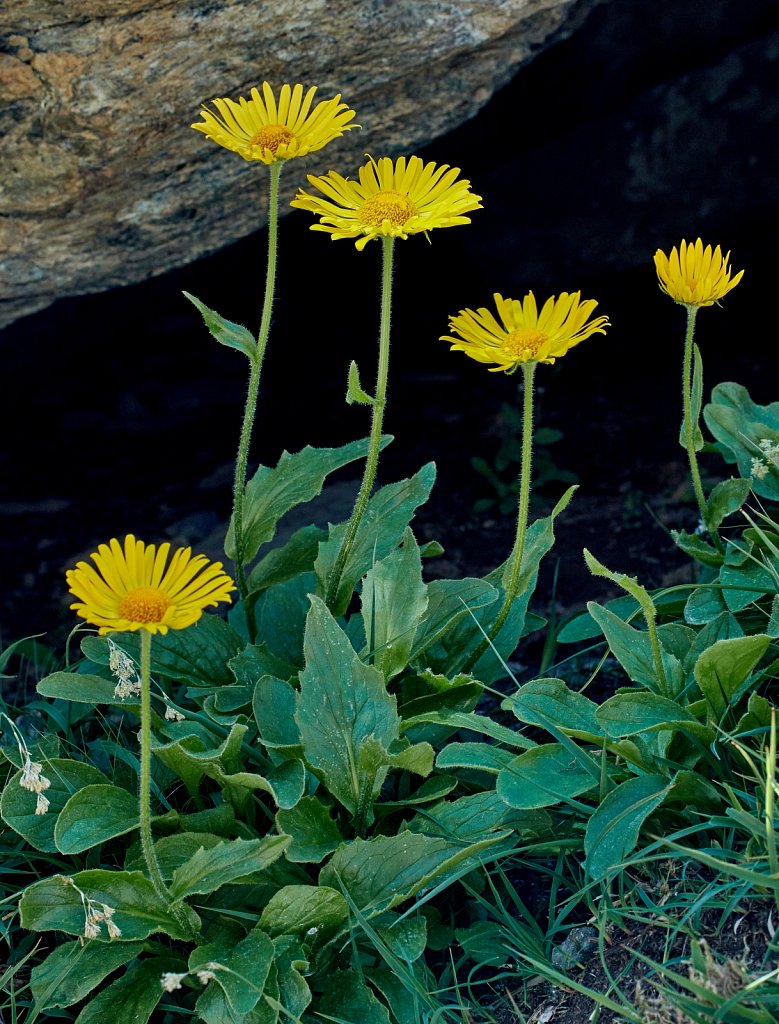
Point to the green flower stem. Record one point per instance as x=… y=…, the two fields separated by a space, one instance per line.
x=377 y=417
x=512 y=584
x=147 y=844
x=689 y=426
x=250 y=408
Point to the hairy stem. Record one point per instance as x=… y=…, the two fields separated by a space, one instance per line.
x=250 y=409
x=377 y=418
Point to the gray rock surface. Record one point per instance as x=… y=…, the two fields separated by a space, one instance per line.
x=103 y=182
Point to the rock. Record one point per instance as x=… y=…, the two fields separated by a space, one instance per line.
x=105 y=184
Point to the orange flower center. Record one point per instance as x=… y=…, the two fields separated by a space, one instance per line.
x=271 y=136
x=387 y=206
x=144 y=604
x=524 y=343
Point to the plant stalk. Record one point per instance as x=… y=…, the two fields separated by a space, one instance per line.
x=689 y=426
x=377 y=417
x=250 y=408
x=511 y=587
x=144 y=800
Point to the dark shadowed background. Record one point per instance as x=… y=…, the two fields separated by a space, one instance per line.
x=655 y=121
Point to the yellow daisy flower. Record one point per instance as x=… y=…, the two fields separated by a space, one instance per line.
x=392 y=199
x=136 y=587
x=524 y=335
x=262 y=129
x=694 y=276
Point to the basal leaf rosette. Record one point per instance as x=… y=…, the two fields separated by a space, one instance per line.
x=695 y=276
x=393 y=199
x=523 y=334
x=133 y=586
x=270 y=130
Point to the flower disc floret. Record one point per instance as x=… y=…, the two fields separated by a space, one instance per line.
x=393 y=199
x=133 y=586
x=523 y=334
x=260 y=128
x=694 y=276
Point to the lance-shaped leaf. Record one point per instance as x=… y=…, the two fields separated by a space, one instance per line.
x=382 y=872
x=17 y=806
x=225 y=331
x=613 y=830
x=348 y=998
x=272 y=492
x=73 y=969
x=552 y=705
x=354 y=391
x=296 y=908
x=383 y=524
x=291 y=559
x=545 y=776
x=394 y=599
x=130 y=999
x=342 y=704
x=53 y=904
x=208 y=870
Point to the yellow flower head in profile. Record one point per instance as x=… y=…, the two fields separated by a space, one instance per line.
x=262 y=129
x=524 y=335
x=391 y=199
x=694 y=276
x=135 y=587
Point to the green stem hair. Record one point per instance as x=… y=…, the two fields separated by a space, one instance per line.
x=689 y=425
x=147 y=843
x=250 y=408
x=377 y=418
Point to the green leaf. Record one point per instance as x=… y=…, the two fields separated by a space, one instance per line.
x=394 y=599
x=473 y=818
x=627 y=714
x=342 y=703
x=485 y=757
x=406 y=937
x=296 y=908
x=73 y=969
x=704 y=605
x=354 y=392
x=17 y=806
x=696 y=396
x=290 y=960
x=281 y=618
x=171 y=851
x=348 y=999
x=383 y=524
x=225 y=331
x=274 y=712
x=93 y=815
x=189 y=756
x=297 y=478
x=696 y=547
x=746 y=582
x=633 y=650
x=448 y=601
x=470 y=722
x=551 y=704
x=613 y=830
x=130 y=999
x=242 y=972
x=291 y=559
x=543 y=777
x=54 y=905
x=739 y=424
x=81 y=689
x=726 y=498
x=382 y=872
x=313 y=832
x=722 y=668
x=197 y=655
x=208 y=870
